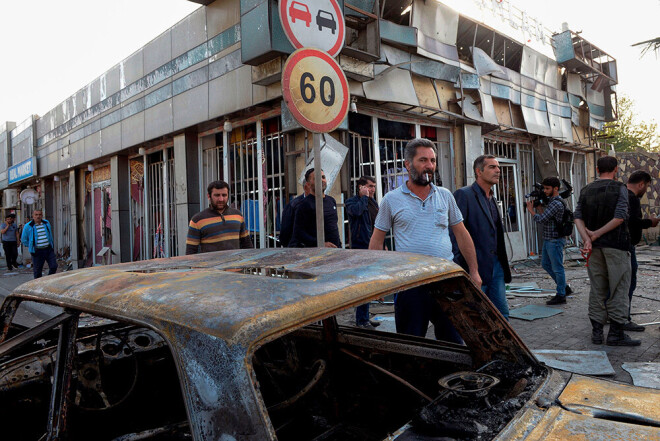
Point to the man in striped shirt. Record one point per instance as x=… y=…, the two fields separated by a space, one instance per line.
x=38 y=236
x=219 y=227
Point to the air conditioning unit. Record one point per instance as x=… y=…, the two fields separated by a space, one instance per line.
x=10 y=198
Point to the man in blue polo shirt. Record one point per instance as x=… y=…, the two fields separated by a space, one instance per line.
x=38 y=236
x=421 y=216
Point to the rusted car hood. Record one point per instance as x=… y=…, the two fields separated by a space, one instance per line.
x=198 y=293
x=596 y=409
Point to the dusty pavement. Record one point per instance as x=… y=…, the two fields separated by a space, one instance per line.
x=569 y=330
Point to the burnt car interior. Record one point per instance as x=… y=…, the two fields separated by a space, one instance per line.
x=82 y=377
x=326 y=382
x=122 y=381
x=330 y=383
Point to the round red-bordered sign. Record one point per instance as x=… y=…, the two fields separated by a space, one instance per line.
x=314 y=23
x=315 y=90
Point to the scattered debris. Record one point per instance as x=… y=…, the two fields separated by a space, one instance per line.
x=527 y=285
x=579 y=362
x=383 y=319
x=644 y=374
x=533 y=312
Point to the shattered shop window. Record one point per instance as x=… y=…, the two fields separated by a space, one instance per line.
x=502 y=50
x=119 y=379
x=397 y=11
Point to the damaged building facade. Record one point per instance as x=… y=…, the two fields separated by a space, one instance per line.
x=122 y=165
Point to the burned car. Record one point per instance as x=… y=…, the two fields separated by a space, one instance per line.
x=245 y=345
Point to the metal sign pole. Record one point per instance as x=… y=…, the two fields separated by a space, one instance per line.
x=318 y=184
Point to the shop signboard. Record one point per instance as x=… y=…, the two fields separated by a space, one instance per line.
x=24 y=170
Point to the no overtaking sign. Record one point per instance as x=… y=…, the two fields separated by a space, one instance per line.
x=314 y=23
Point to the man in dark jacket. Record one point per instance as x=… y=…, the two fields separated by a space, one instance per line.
x=304 y=224
x=362 y=210
x=483 y=222
x=288 y=216
x=638 y=184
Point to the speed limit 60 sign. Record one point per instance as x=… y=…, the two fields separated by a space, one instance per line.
x=315 y=90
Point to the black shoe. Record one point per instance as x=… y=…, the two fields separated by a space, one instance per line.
x=634 y=327
x=596 y=333
x=616 y=336
x=556 y=300
x=569 y=291
x=374 y=323
x=366 y=326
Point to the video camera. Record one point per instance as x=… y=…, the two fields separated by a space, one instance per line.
x=541 y=199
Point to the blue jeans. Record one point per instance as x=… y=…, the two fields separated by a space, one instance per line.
x=496 y=290
x=552 y=261
x=39 y=257
x=414 y=308
x=633 y=278
x=362 y=314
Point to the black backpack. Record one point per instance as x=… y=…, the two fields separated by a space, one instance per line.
x=565 y=227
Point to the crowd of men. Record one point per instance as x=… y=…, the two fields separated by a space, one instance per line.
x=465 y=227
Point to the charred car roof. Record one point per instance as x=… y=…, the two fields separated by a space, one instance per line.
x=237 y=295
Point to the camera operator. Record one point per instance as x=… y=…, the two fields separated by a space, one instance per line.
x=550 y=217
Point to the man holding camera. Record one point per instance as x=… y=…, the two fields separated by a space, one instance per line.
x=362 y=210
x=552 y=257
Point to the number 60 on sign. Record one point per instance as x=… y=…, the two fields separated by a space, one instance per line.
x=315 y=90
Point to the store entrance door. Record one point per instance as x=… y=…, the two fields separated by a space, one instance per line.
x=510 y=204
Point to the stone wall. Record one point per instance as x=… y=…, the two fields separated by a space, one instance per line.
x=650 y=162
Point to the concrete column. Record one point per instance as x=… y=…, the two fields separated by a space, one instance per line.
x=74 y=219
x=186 y=173
x=474 y=147
x=120 y=192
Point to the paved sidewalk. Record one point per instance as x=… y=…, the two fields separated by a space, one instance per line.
x=11 y=279
x=571 y=330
